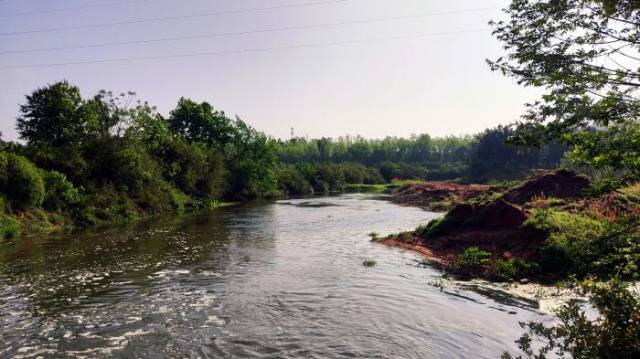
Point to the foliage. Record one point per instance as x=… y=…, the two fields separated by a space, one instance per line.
x=52 y=116
x=582 y=246
x=613 y=333
x=492 y=158
x=25 y=187
x=437 y=227
x=510 y=269
x=473 y=259
x=583 y=52
x=59 y=192
x=199 y=122
x=9 y=226
x=292 y=183
x=112 y=157
x=369 y=262
x=421 y=156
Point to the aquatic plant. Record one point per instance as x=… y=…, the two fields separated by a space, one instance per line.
x=369 y=262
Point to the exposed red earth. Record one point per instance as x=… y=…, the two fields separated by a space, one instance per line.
x=494 y=226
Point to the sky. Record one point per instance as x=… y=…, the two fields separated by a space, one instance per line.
x=373 y=68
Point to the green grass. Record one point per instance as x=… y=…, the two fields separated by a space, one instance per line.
x=9 y=227
x=368 y=188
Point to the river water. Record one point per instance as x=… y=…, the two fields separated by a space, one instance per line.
x=270 y=280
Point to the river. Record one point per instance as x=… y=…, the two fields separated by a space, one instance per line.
x=265 y=280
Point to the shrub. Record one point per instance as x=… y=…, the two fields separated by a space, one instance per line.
x=473 y=259
x=369 y=262
x=580 y=245
x=373 y=176
x=291 y=182
x=399 y=170
x=4 y=170
x=9 y=227
x=35 y=220
x=25 y=187
x=354 y=173
x=614 y=332
x=509 y=269
x=436 y=227
x=178 y=200
x=333 y=176
x=123 y=164
x=59 y=192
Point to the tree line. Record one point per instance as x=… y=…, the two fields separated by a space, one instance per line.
x=329 y=164
x=111 y=157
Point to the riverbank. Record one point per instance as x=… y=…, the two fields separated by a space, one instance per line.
x=35 y=222
x=441 y=196
x=548 y=228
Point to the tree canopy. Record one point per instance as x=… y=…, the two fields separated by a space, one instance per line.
x=586 y=55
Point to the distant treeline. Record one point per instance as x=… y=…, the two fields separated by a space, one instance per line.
x=112 y=157
x=328 y=164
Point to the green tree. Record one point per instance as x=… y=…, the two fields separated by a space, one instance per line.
x=584 y=53
x=199 y=122
x=52 y=116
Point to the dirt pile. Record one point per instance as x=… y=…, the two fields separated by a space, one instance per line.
x=497 y=215
x=437 y=195
x=559 y=184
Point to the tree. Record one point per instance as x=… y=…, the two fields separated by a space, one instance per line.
x=199 y=122
x=52 y=117
x=585 y=54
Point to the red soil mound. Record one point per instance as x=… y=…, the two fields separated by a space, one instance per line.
x=424 y=194
x=559 y=184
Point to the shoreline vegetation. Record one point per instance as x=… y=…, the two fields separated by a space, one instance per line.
x=551 y=228
x=112 y=158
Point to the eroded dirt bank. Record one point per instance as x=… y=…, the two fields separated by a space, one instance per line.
x=485 y=217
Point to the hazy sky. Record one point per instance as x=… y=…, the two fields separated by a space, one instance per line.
x=437 y=84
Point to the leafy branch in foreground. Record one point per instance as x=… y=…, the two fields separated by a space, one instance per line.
x=586 y=55
x=614 y=333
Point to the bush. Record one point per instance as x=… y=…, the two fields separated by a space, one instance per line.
x=582 y=246
x=613 y=333
x=510 y=269
x=124 y=164
x=437 y=227
x=473 y=259
x=59 y=192
x=25 y=187
x=399 y=170
x=292 y=183
x=373 y=176
x=178 y=200
x=4 y=171
x=9 y=227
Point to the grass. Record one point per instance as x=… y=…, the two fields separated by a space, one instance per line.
x=367 y=188
x=9 y=227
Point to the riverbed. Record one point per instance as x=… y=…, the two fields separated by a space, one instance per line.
x=280 y=279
